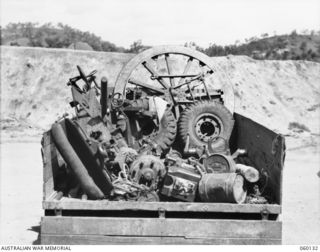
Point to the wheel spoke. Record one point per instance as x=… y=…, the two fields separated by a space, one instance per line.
x=188 y=81
x=176 y=108
x=186 y=70
x=145 y=85
x=175 y=76
x=169 y=69
x=153 y=73
x=202 y=65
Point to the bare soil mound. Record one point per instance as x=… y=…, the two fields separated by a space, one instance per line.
x=283 y=95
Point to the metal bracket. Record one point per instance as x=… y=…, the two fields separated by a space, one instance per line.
x=58 y=212
x=264 y=214
x=162 y=213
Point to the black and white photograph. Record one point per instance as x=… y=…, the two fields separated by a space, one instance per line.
x=159 y=122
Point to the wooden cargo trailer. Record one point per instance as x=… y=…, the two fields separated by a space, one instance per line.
x=76 y=221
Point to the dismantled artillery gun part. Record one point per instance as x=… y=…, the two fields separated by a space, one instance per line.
x=170 y=87
x=94 y=150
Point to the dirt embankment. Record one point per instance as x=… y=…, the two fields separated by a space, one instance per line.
x=283 y=95
x=33 y=84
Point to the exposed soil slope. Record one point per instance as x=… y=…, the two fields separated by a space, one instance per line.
x=283 y=95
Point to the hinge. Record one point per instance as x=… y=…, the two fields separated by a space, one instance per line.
x=162 y=213
x=264 y=214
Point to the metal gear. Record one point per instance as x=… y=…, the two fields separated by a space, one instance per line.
x=148 y=170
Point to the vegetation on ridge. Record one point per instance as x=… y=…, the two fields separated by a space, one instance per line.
x=293 y=46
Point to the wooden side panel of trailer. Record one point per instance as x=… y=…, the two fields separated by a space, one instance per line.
x=95 y=230
x=76 y=221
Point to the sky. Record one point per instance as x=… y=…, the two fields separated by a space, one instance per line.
x=158 y=22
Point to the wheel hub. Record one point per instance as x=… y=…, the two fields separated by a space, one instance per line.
x=207 y=127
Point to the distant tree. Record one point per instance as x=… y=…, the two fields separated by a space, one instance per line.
x=293 y=34
x=137 y=47
x=193 y=45
x=237 y=42
x=313 y=55
x=303 y=46
x=268 y=54
x=253 y=39
x=215 y=50
x=285 y=55
x=108 y=47
x=80 y=46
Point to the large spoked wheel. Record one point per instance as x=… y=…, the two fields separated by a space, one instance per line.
x=178 y=74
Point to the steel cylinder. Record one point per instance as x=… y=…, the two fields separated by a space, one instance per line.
x=222 y=187
x=219 y=163
x=104 y=96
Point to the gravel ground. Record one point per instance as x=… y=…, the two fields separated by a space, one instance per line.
x=21 y=195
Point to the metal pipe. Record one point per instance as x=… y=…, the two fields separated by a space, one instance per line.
x=74 y=162
x=104 y=96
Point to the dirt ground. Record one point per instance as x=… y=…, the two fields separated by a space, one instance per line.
x=21 y=195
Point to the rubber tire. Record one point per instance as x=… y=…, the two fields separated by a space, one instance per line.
x=188 y=118
x=167 y=131
x=167 y=127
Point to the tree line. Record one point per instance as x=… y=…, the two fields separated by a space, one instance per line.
x=303 y=46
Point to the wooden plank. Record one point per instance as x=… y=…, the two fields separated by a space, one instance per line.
x=48 y=189
x=52 y=161
x=50 y=167
x=77 y=204
x=46 y=143
x=50 y=164
x=46 y=138
x=188 y=228
x=148 y=240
